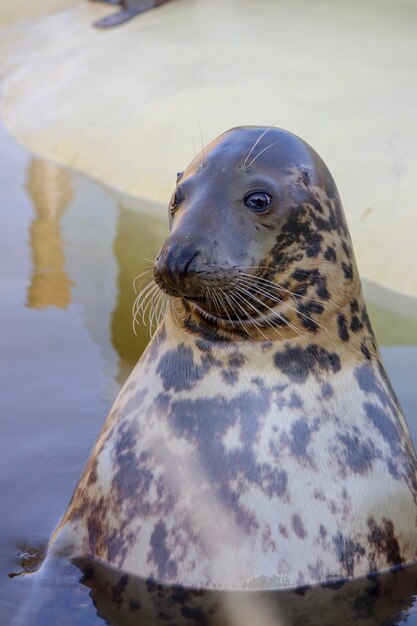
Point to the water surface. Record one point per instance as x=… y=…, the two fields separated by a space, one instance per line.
x=69 y=251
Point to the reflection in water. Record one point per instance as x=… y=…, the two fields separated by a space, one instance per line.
x=120 y=599
x=49 y=187
x=125 y=600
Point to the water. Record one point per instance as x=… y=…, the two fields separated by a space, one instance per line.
x=69 y=251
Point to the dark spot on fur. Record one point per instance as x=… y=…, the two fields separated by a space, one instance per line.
x=382 y=422
x=162 y=401
x=273 y=481
x=383 y=539
x=371 y=384
x=229 y=376
x=346 y=249
x=178 y=370
x=205 y=421
x=295 y=401
x=365 y=351
x=298 y=363
x=393 y=395
x=359 y=455
x=319 y=495
x=326 y=390
x=204 y=346
x=298 y=527
x=210 y=333
x=236 y=360
x=354 y=306
x=330 y=255
x=347 y=270
x=314 y=245
x=159 y=553
x=342 y=326
x=355 y=324
x=348 y=552
x=283 y=530
x=300 y=438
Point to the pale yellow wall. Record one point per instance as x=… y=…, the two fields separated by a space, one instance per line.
x=13 y=10
x=125 y=106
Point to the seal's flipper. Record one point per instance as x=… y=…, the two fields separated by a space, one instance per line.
x=115 y=19
x=129 y=8
x=113 y=2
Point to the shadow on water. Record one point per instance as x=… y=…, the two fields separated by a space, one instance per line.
x=70 y=250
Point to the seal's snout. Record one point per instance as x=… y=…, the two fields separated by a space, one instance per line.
x=176 y=268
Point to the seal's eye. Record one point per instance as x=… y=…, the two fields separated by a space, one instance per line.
x=176 y=200
x=258 y=201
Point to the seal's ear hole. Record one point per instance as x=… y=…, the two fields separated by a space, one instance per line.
x=258 y=201
x=179 y=176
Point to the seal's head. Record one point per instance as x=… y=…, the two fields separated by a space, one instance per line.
x=256 y=231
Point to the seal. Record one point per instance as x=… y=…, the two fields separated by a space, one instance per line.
x=258 y=441
x=128 y=9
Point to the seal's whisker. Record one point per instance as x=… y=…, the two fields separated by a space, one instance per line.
x=202 y=143
x=263 y=290
x=139 y=306
x=162 y=309
x=216 y=303
x=144 y=308
x=145 y=289
x=156 y=298
x=142 y=301
x=232 y=298
x=224 y=307
x=139 y=276
x=296 y=296
x=281 y=317
x=280 y=301
x=257 y=141
x=238 y=319
x=236 y=296
x=261 y=152
x=268 y=321
x=211 y=299
x=159 y=308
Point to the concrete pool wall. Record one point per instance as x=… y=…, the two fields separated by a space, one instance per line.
x=126 y=106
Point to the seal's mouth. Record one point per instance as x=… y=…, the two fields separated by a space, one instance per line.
x=229 y=309
x=232 y=298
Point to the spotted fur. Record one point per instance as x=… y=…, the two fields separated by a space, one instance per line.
x=231 y=457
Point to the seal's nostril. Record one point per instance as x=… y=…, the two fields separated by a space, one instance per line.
x=189 y=263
